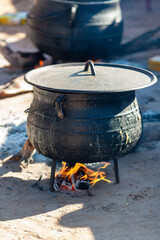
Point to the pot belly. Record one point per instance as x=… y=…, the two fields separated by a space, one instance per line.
x=96 y=127
x=94 y=32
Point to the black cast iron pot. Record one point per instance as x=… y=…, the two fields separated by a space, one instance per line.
x=76 y=30
x=85 y=115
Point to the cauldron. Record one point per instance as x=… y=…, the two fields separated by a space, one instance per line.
x=76 y=30
x=82 y=115
x=86 y=114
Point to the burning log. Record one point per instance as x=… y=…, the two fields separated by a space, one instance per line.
x=23 y=59
x=78 y=177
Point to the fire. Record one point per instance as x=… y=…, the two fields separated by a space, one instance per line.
x=40 y=64
x=80 y=172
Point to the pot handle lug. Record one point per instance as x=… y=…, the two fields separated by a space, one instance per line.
x=58 y=104
x=72 y=16
x=92 y=67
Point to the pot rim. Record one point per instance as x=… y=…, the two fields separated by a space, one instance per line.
x=29 y=78
x=86 y=2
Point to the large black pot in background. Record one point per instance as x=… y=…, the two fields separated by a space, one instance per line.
x=76 y=30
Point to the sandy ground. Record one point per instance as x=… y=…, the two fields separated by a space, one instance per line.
x=126 y=211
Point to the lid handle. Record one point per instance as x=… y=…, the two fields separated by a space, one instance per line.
x=91 y=64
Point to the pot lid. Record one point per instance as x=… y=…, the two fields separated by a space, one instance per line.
x=90 y=77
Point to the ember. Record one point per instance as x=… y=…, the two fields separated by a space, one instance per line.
x=78 y=177
x=40 y=64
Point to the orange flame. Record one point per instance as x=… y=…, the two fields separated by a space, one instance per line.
x=40 y=64
x=92 y=176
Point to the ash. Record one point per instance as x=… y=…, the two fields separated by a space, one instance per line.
x=13 y=134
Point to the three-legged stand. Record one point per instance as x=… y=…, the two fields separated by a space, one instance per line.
x=116 y=170
x=52 y=176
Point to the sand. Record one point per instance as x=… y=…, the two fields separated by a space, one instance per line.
x=126 y=211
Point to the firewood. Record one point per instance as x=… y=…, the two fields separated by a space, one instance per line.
x=18 y=58
x=14 y=87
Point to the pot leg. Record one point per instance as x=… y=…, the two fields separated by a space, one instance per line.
x=116 y=170
x=52 y=176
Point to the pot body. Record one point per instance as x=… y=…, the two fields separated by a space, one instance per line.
x=84 y=127
x=76 y=31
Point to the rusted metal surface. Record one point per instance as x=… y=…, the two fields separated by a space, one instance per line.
x=95 y=127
